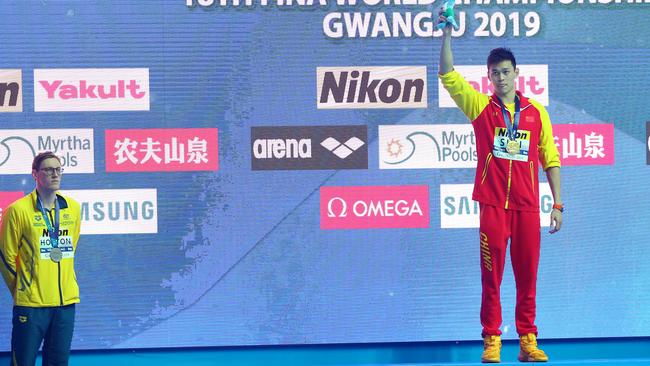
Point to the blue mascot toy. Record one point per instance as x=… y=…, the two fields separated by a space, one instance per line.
x=448 y=13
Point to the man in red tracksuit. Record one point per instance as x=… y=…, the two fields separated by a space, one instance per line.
x=513 y=136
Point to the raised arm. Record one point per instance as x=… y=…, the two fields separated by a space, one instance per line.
x=446 y=56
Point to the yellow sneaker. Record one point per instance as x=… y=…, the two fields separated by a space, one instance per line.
x=491 y=349
x=528 y=351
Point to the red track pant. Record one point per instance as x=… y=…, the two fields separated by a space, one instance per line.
x=523 y=229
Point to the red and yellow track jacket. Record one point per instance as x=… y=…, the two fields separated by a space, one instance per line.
x=502 y=179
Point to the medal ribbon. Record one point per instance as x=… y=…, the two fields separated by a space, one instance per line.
x=512 y=128
x=53 y=230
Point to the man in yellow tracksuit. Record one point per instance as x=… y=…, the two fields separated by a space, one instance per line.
x=38 y=240
x=513 y=139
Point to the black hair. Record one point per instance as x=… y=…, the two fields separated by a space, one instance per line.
x=501 y=54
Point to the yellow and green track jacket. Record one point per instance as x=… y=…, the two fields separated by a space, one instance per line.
x=32 y=277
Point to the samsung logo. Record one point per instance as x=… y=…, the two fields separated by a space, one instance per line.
x=117 y=211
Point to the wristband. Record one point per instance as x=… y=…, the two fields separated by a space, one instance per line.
x=558 y=206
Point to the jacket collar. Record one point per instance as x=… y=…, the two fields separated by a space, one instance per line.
x=34 y=197
x=523 y=101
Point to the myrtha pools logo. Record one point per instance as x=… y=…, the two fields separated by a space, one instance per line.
x=427 y=146
x=75 y=148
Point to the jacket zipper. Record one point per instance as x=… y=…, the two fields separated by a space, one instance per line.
x=60 y=290
x=509 y=165
x=532 y=177
x=509 y=183
x=59 y=272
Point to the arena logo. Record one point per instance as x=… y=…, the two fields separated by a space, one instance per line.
x=309 y=147
x=7 y=198
x=458 y=210
x=11 y=90
x=58 y=90
x=585 y=144
x=170 y=149
x=342 y=149
x=371 y=87
x=427 y=146
x=75 y=148
x=117 y=211
x=281 y=149
x=370 y=207
x=532 y=82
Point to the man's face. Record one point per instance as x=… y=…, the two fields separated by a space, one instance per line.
x=48 y=176
x=502 y=76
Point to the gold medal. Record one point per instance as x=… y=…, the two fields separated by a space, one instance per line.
x=512 y=147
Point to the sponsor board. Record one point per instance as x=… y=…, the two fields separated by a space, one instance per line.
x=75 y=148
x=454 y=146
x=7 y=198
x=371 y=87
x=172 y=149
x=117 y=211
x=309 y=147
x=532 y=82
x=427 y=146
x=76 y=90
x=372 y=207
x=458 y=210
x=585 y=144
x=11 y=90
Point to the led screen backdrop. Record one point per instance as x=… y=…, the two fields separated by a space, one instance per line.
x=293 y=174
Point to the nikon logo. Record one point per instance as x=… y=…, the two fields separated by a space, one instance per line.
x=63 y=232
x=372 y=87
x=11 y=98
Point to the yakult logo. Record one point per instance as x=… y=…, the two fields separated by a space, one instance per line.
x=372 y=87
x=11 y=90
x=171 y=149
x=589 y=144
x=91 y=90
x=427 y=146
x=532 y=82
x=374 y=207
